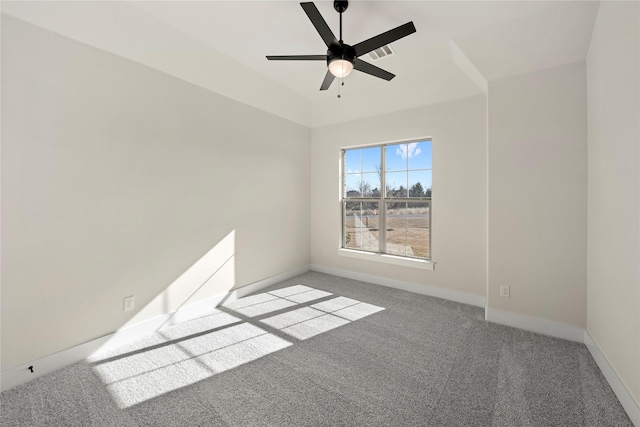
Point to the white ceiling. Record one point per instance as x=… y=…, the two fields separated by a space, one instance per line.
x=459 y=46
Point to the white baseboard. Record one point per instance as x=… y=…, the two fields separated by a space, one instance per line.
x=21 y=374
x=534 y=324
x=622 y=392
x=432 y=291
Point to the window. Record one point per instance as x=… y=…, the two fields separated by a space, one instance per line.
x=386 y=199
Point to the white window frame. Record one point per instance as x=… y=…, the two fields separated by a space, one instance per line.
x=382 y=200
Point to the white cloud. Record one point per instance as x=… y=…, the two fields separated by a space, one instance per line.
x=408 y=150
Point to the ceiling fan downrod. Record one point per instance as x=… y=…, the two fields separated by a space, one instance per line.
x=340 y=7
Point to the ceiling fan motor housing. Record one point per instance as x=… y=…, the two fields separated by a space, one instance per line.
x=341 y=51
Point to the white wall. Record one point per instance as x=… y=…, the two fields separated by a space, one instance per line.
x=147 y=39
x=458 y=129
x=613 y=84
x=538 y=194
x=117 y=178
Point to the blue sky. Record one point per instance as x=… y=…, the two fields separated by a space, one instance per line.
x=402 y=160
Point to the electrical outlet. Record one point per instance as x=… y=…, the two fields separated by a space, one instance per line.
x=324 y=252
x=505 y=291
x=129 y=303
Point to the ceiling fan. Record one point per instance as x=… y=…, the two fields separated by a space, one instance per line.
x=343 y=58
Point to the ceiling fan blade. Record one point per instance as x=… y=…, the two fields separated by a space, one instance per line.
x=384 y=38
x=297 y=57
x=365 y=67
x=328 y=79
x=318 y=21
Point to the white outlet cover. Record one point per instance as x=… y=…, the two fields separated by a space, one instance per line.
x=504 y=291
x=129 y=303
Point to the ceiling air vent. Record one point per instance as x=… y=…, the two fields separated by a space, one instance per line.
x=382 y=52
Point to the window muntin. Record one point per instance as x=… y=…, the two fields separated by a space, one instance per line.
x=386 y=199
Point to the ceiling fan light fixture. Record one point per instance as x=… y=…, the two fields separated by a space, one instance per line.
x=340 y=67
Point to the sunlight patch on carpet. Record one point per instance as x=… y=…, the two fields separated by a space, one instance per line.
x=141 y=376
x=186 y=353
x=309 y=321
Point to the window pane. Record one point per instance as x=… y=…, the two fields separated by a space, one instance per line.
x=371 y=184
x=352 y=161
x=419 y=154
x=371 y=159
x=352 y=185
x=408 y=230
x=418 y=232
x=395 y=157
x=419 y=183
x=396 y=184
x=360 y=221
x=362 y=185
x=397 y=228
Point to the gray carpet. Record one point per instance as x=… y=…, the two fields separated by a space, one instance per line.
x=320 y=350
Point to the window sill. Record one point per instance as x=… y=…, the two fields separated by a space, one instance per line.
x=388 y=259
